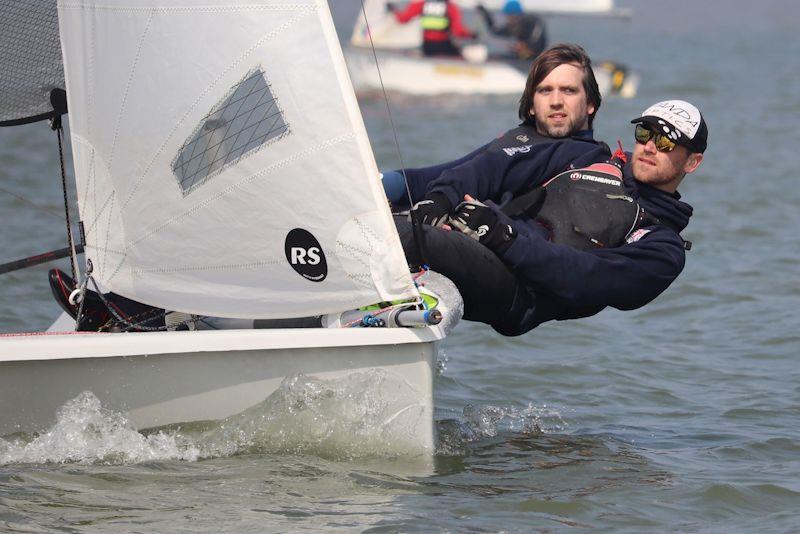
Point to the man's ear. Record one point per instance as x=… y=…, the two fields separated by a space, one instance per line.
x=692 y=162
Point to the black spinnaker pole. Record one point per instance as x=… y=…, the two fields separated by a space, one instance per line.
x=44 y=257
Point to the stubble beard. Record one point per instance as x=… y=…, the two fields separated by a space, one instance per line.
x=557 y=132
x=652 y=176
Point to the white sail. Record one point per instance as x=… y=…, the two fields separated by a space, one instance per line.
x=222 y=164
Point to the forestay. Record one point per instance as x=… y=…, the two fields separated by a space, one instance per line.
x=222 y=164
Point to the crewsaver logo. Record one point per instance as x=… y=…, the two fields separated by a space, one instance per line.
x=305 y=255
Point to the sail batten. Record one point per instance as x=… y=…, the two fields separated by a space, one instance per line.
x=222 y=161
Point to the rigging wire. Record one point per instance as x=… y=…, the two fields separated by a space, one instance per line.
x=31 y=203
x=386 y=101
x=415 y=224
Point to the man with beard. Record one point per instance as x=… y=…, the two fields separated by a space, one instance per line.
x=560 y=100
x=562 y=229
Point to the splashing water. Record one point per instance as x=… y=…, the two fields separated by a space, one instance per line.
x=484 y=422
x=340 y=419
x=343 y=418
x=85 y=432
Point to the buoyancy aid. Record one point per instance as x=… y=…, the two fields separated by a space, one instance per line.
x=435 y=16
x=584 y=208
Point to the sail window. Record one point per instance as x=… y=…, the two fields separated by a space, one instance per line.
x=244 y=121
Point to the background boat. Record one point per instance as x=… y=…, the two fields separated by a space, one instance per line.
x=403 y=69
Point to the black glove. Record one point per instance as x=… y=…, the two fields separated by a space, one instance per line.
x=490 y=227
x=433 y=210
x=390 y=7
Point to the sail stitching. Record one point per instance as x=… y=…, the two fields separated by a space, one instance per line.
x=224 y=267
x=89 y=181
x=92 y=179
x=125 y=93
x=266 y=170
x=359 y=254
x=304 y=11
x=90 y=86
x=187 y=9
x=108 y=233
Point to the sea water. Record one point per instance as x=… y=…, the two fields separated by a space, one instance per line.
x=683 y=415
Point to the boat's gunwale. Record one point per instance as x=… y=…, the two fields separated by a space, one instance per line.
x=69 y=345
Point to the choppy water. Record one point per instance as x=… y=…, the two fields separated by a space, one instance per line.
x=681 y=416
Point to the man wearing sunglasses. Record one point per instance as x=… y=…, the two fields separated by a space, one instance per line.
x=565 y=229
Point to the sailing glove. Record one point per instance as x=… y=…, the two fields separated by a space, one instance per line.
x=433 y=210
x=487 y=224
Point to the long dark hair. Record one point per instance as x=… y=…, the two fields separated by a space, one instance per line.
x=556 y=55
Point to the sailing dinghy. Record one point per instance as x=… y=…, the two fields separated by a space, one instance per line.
x=223 y=169
x=404 y=70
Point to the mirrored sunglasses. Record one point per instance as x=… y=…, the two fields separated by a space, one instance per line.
x=663 y=143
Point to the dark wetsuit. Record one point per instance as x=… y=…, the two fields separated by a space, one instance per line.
x=419 y=178
x=536 y=280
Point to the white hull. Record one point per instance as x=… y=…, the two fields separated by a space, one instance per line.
x=407 y=73
x=161 y=378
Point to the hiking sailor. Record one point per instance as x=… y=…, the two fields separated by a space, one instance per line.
x=549 y=256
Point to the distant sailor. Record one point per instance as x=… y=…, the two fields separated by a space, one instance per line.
x=440 y=20
x=527 y=31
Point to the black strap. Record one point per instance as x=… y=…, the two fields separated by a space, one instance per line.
x=529 y=203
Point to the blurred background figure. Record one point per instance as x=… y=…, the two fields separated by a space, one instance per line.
x=526 y=30
x=440 y=20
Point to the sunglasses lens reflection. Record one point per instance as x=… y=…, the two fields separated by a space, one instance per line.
x=662 y=142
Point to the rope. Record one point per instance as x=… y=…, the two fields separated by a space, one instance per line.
x=58 y=127
x=123 y=320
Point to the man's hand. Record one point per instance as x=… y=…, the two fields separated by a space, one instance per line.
x=433 y=210
x=485 y=224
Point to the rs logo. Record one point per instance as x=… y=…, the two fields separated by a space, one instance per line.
x=304 y=256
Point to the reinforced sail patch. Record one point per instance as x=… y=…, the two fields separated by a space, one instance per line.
x=246 y=120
